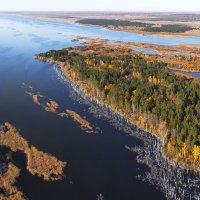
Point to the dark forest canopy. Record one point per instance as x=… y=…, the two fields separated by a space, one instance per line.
x=174 y=28
x=171 y=28
x=112 y=22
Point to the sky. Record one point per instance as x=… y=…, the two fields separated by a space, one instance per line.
x=100 y=5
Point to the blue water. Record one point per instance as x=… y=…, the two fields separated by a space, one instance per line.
x=147 y=51
x=194 y=74
x=181 y=54
x=66 y=30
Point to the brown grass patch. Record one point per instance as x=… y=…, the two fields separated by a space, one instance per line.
x=44 y=165
x=51 y=106
x=38 y=162
x=34 y=97
x=7 y=181
x=77 y=118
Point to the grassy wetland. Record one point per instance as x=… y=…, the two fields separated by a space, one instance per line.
x=38 y=163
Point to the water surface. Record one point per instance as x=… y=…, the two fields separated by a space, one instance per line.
x=194 y=74
x=144 y=50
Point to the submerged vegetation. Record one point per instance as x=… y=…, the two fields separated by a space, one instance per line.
x=77 y=118
x=44 y=165
x=48 y=104
x=141 y=90
x=7 y=181
x=38 y=163
x=52 y=106
x=84 y=124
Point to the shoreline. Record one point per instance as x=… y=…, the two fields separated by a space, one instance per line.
x=160 y=34
x=73 y=20
x=162 y=174
x=136 y=31
x=86 y=89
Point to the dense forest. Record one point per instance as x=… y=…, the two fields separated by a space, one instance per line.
x=144 y=90
x=112 y=22
x=171 y=28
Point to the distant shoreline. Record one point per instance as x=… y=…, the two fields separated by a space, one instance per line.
x=73 y=17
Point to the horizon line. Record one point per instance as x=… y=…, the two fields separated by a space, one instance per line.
x=111 y=11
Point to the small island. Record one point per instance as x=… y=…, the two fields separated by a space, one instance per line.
x=77 y=118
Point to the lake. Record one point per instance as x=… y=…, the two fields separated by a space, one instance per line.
x=97 y=163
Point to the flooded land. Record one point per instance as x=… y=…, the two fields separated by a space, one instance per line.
x=59 y=136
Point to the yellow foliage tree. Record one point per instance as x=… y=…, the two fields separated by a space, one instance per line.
x=102 y=63
x=196 y=153
x=184 y=150
x=107 y=87
x=88 y=62
x=110 y=66
x=170 y=147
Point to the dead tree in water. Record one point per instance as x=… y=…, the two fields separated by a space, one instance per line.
x=100 y=197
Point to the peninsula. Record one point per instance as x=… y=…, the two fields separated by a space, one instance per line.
x=140 y=89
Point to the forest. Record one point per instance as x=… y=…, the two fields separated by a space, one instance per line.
x=112 y=22
x=171 y=28
x=148 y=27
x=144 y=90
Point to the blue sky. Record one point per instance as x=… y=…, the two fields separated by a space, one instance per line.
x=100 y=5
